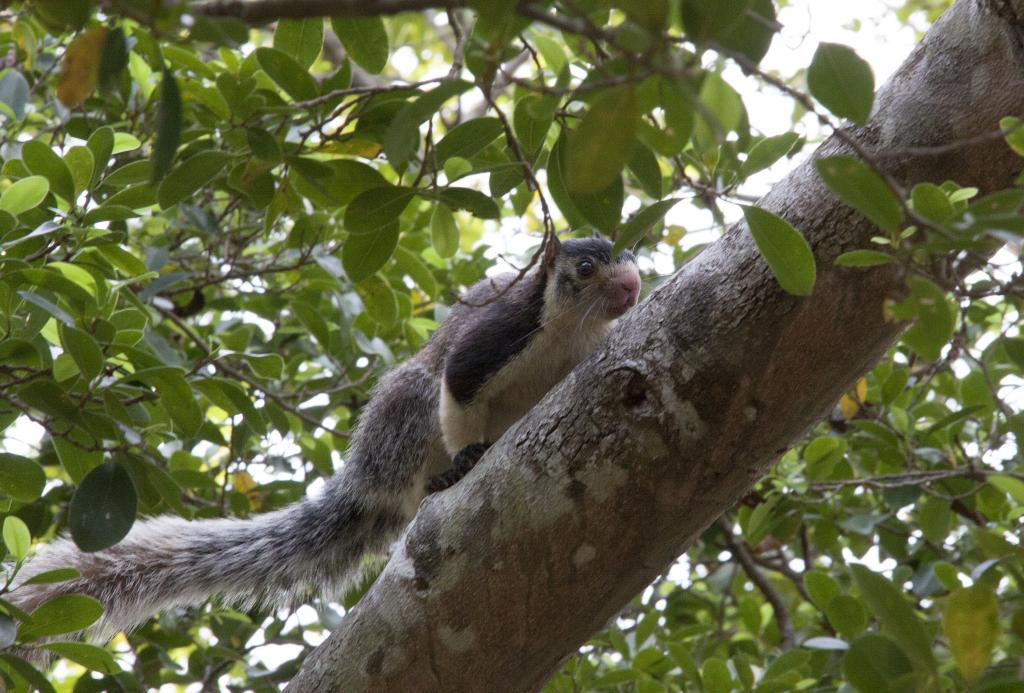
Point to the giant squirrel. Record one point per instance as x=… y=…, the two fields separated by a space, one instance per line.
x=504 y=345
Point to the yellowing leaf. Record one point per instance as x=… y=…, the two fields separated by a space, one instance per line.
x=353 y=147
x=971 y=624
x=243 y=483
x=849 y=404
x=80 y=68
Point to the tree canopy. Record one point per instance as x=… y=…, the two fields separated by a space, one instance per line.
x=220 y=222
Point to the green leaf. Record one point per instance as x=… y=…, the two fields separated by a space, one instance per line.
x=168 y=127
x=947 y=575
x=472 y=201
x=402 y=136
x=114 y=58
x=410 y=263
x=469 y=138
x=376 y=208
x=189 y=176
x=313 y=321
x=786 y=662
x=17 y=665
x=863 y=258
x=931 y=202
x=557 y=186
x=19 y=352
x=264 y=365
x=970 y=622
x=634 y=229
x=51 y=576
x=17 y=537
x=784 y=249
x=933 y=516
x=229 y=395
x=130 y=174
x=821 y=588
x=362 y=255
x=767 y=151
x=103 y=508
x=89 y=656
x=602 y=144
x=302 y=39
x=752 y=34
x=124 y=142
x=677 y=103
x=861 y=188
x=379 y=299
x=895 y=615
x=716 y=676
x=602 y=209
x=48 y=397
x=842 y=81
x=346 y=180
x=21 y=478
x=531 y=122
x=704 y=21
x=1013 y=128
x=101 y=144
x=24 y=195
x=444 y=231
x=1009 y=485
x=643 y=164
x=64 y=13
x=84 y=349
x=722 y=111
x=934 y=319
x=14 y=92
x=286 y=73
x=873 y=662
x=365 y=40
x=43 y=161
x=64 y=614
x=123 y=261
x=77 y=461
x=263 y=145
x=175 y=396
x=846 y=615
x=80 y=162
x=760 y=520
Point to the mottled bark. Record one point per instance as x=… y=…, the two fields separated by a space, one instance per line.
x=690 y=401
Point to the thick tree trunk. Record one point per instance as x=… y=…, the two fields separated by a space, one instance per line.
x=690 y=401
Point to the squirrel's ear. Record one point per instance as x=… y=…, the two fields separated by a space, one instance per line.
x=551 y=251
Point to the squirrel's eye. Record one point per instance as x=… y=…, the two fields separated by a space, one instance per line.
x=585 y=268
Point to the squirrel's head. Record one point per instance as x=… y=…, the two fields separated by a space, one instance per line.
x=581 y=272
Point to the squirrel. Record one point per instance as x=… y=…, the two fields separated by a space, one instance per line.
x=510 y=340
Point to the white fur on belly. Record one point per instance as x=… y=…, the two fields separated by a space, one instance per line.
x=510 y=393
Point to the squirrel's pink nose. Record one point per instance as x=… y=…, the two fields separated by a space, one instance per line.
x=623 y=292
x=629 y=288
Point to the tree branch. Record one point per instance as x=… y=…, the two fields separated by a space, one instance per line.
x=692 y=398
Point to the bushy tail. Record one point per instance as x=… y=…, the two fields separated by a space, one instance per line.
x=311 y=547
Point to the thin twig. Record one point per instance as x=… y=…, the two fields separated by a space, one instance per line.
x=741 y=551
